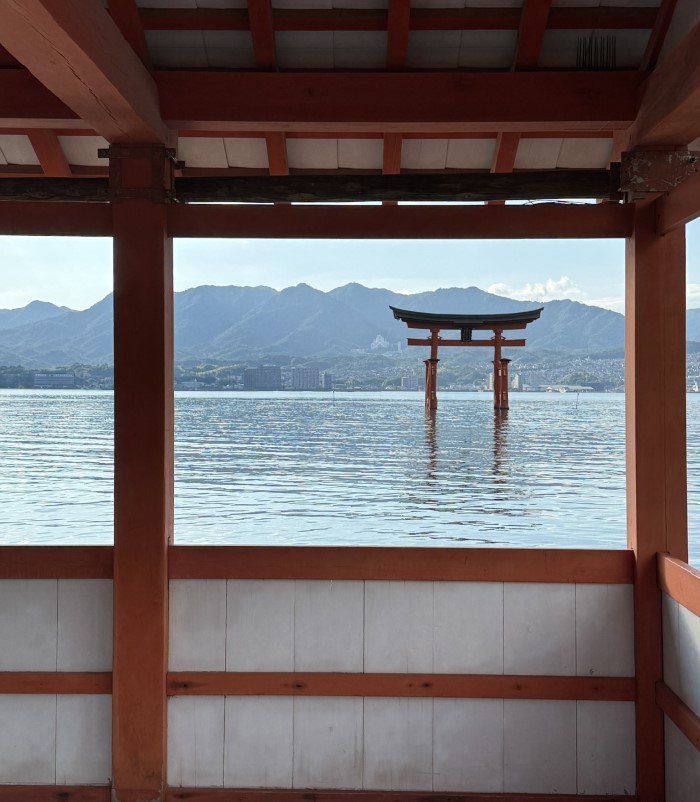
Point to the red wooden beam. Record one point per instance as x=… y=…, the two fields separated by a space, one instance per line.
x=669 y=113
x=48 y=151
x=55 y=793
x=54 y=562
x=55 y=682
x=457 y=686
x=397 y=102
x=533 y=24
x=470 y=343
x=77 y=52
x=277 y=153
x=398 y=20
x=315 y=795
x=679 y=713
x=658 y=34
x=125 y=14
x=391 y=159
x=680 y=582
x=680 y=206
x=540 y=221
x=263 y=34
x=377 y=562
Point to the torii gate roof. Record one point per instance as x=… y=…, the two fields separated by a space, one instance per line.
x=427 y=320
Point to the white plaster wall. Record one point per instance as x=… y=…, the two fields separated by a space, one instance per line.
x=399 y=744
x=56 y=625
x=681 y=652
x=682 y=766
x=401 y=627
x=49 y=739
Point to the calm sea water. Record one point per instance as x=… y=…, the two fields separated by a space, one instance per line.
x=357 y=469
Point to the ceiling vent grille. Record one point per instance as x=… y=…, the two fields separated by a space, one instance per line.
x=596 y=52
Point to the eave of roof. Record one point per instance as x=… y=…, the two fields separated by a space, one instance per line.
x=449 y=321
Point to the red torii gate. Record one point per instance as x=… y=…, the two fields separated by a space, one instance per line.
x=466 y=324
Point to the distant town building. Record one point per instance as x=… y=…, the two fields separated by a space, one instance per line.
x=327 y=380
x=267 y=377
x=54 y=380
x=193 y=384
x=515 y=382
x=380 y=342
x=305 y=379
x=411 y=383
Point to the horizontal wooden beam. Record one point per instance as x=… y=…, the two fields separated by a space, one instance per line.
x=457 y=686
x=55 y=562
x=679 y=713
x=680 y=582
x=55 y=793
x=315 y=795
x=36 y=219
x=538 y=221
x=55 y=682
x=422 y=19
x=466 y=344
x=437 y=187
x=669 y=112
x=387 y=563
x=77 y=52
x=397 y=101
x=680 y=206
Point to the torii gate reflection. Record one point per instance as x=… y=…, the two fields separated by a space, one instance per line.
x=466 y=324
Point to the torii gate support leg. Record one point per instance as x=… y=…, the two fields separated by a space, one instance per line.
x=501 y=400
x=431 y=385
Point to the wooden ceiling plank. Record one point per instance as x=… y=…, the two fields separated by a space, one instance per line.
x=77 y=52
x=262 y=31
x=533 y=24
x=658 y=34
x=125 y=14
x=398 y=102
x=398 y=21
x=277 y=153
x=669 y=112
x=50 y=154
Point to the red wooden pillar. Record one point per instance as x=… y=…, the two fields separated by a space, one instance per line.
x=431 y=373
x=140 y=179
x=498 y=335
x=502 y=397
x=656 y=457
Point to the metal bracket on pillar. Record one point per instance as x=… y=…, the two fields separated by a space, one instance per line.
x=643 y=172
x=126 y=172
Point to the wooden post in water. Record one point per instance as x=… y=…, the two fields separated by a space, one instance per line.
x=501 y=400
x=431 y=373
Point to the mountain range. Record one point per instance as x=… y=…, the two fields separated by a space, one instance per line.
x=253 y=323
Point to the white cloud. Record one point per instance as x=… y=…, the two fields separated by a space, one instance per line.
x=693 y=295
x=550 y=290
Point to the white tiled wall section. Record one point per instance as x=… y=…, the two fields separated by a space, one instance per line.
x=682 y=652
x=401 y=627
x=400 y=744
x=56 y=625
x=48 y=739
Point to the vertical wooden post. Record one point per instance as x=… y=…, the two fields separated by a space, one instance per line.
x=140 y=180
x=497 y=336
x=431 y=373
x=502 y=400
x=656 y=457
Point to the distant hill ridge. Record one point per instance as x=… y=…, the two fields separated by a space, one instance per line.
x=237 y=323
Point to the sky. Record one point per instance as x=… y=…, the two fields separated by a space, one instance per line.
x=77 y=272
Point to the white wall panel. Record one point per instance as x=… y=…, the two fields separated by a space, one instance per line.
x=689 y=640
x=83 y=739
x=27 y=739
x=328 y=742
x=399 y=627
x=359 y=49
x=433 y=49
x=328 y=626
x=424 y=154
x=468 y=745
x=317 y=154
x=539 y=747
x=84 y=625
x=682 y=766
x=471 y=154
x=259 y=742
x=202 y=151
x=82 y=150
x=468 y=627
x=540 y=627
x=398 y=744
x=605 y=745
x=538 y=154
x=28 y=623
x=246 y=152
x=17 y=149
x=605 y=630
x=361 y=154
x=304 y=49
x=260 y=625
x=197 y=625
x=672 y=654
x=196 y=741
